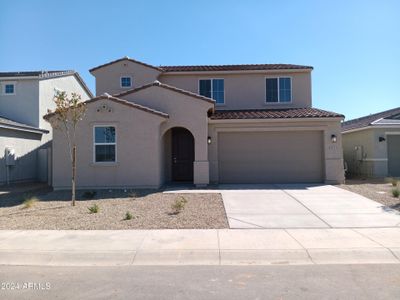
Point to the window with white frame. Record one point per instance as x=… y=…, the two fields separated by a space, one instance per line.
x=104 y=144
x=126 y=82
x=212 y=88
x=278 y=90
x=8 y=88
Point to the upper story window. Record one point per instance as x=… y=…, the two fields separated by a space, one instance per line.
x=212 y=88
x=279 y=90
x=126 y=82
x=8 y=88
x=104 y=144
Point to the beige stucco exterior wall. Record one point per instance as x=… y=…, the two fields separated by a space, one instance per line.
x=246 y=90
x=23 y=106
x=25 y=145
x=184 y=111
x=138 y=150
x=108 y=78
x=47 y=89
x=374 y=161
x=333 y=155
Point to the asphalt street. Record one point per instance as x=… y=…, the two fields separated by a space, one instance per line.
x=371 y=281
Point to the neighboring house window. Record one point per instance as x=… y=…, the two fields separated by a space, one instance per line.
x=212 y=88
x=126 y=82
x=104 y=144
x=8 y=88
x=279 y=90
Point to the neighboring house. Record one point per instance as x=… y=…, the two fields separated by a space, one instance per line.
x=24 y=135
x=371 y=144
x=202 y=124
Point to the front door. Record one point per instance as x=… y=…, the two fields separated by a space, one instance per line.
x=182 y=155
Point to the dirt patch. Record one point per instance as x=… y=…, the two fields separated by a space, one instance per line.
x=149 y=210
x=375 y=189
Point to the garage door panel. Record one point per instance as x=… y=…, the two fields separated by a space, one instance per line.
x=393 y=144
x=267 y=157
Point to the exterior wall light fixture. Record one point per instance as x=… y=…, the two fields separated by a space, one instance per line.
x=209 y=140
x=333 y=138
x=381 y=139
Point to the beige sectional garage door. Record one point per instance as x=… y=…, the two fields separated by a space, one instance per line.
x=270 y=157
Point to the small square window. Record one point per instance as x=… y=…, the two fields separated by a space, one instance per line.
x=9 y=88
x=126 y=82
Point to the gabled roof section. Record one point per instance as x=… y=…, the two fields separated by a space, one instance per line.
x=244 y=67
x=388 y=117
x=211 y=68
x=14 y=125
x=120 y=101
x=168 y=87
x=43 y=75
x=278 y=113
x=122 y=59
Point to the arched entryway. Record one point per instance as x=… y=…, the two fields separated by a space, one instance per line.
x=178 y=155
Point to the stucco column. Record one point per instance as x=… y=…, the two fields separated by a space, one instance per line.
x=334 y=168
x=201 y=167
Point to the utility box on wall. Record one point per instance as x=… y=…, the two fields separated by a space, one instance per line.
x=9 y=157
x=359 y=155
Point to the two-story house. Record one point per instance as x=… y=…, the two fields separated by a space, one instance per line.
x=152 y=125
x=24 y=135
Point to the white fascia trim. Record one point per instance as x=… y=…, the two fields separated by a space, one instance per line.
x=375 y=159
x=294 y=120
x=40 y=131
x=384 y=126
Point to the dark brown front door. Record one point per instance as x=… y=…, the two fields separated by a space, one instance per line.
x=182 y=155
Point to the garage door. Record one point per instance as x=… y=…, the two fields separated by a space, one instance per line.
x=270 y=157
x=393 y=144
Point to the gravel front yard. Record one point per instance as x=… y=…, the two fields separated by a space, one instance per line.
x=374 y=189
x=149 y=209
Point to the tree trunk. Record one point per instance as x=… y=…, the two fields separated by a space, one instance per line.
x=73 y=174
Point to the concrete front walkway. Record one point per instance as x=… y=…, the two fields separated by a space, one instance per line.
x=200 y=247
x=300 y=206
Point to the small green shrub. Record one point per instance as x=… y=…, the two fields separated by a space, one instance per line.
x=89 y=194
x=29 y=202
x=128 y=216
x=396 y=193
x=94 y=209
x=133 y=194
x=179 y=205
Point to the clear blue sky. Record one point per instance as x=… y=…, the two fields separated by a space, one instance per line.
x=354 y=46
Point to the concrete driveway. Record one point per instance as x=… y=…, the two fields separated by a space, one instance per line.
x=302 y=206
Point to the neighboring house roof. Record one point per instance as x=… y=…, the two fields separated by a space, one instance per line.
x=14 y=125
x=244 y=67
x=120 y=101
x=388 y=117
x=42 y=75
x=213 y=68
x=279 y=113
x=168 y=87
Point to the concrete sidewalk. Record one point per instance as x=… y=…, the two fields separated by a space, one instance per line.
x=200 y=247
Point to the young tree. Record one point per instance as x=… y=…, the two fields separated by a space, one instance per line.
x=66 y=116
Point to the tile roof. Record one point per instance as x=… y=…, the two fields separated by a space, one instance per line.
x=118 y=100
x=11 y=124
x=40 y=74
x=168 y=87
x=244 y=67
x=282 y=113
x=122 y=59
x=212 y=68
x=368 y=120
